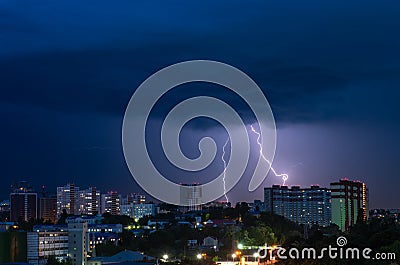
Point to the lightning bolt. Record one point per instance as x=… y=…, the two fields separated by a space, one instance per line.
x=223 y=159
x=283 y=176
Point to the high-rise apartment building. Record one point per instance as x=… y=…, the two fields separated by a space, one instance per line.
x=110 y=203
x=78 y=243
x=349 y=203
x=47 y=206
x=67 y=199
x=47 y=209
x=23 y=203
x=89 y=201
x=311 y=206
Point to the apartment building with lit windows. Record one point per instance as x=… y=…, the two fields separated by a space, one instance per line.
x=349 y=203
x=310 y=206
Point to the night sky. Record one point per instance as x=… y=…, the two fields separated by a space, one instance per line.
x=330 y=71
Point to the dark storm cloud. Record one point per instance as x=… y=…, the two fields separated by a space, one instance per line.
x=92 y=57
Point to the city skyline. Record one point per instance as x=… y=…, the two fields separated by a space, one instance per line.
x=91 y=190
x=54 y=192
x=346 y=197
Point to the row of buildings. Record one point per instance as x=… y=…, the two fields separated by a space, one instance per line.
x=91 y=202
x=26 y=204
x=76 y=240
x=344 y=203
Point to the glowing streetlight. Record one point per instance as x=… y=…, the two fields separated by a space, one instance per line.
x=240 y=246
x=165 y=256
x=199 y=256
x=233 y=256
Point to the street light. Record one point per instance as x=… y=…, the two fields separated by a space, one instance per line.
x=199 y=256
x=233 y=256
x=165 y=256
x=240 y=246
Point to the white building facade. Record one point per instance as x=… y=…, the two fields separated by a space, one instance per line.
x=46 y=241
